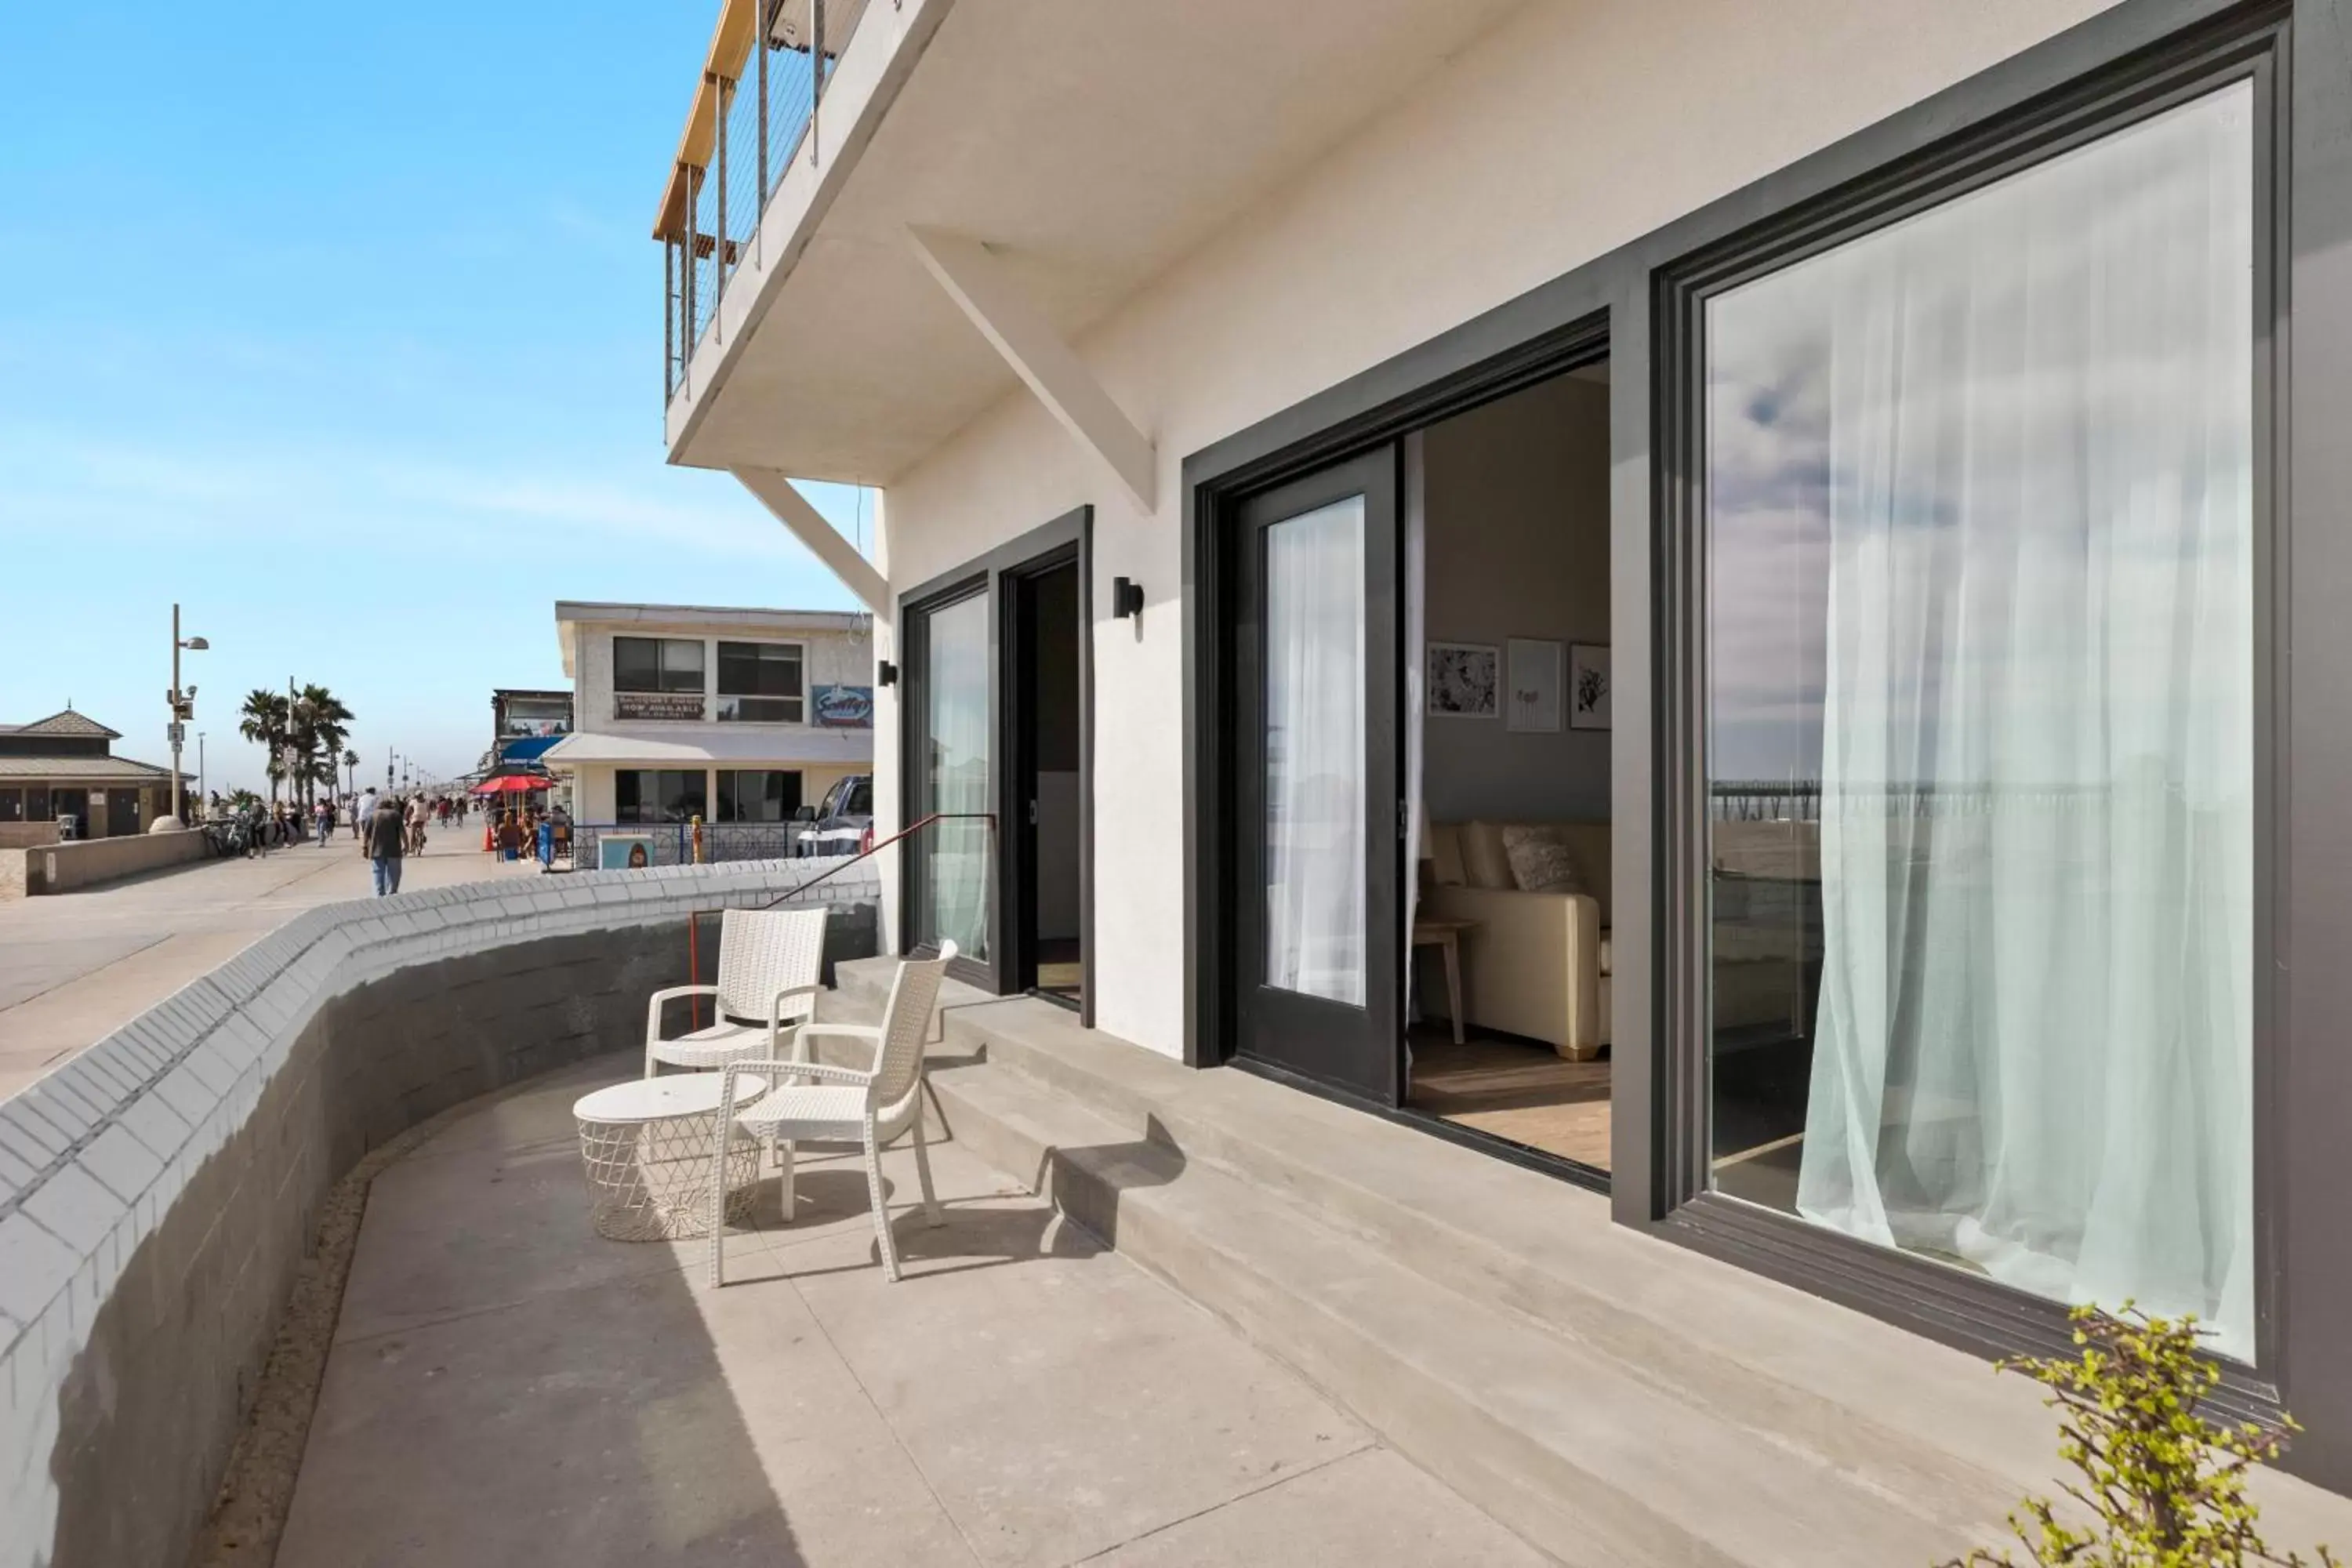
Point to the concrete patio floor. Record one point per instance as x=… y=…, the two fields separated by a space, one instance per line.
x=505 y=1387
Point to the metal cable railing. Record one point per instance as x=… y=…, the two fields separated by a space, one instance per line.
x=706 y=254
x=791 y=90
x=1807 y=800
x=694 y=917
x=765 y=118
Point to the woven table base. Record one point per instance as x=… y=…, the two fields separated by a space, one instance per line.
x=651 y=1181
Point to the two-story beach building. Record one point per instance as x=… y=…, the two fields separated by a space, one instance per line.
x=735 y=718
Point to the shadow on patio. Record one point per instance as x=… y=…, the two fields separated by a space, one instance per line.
x=505 y=1386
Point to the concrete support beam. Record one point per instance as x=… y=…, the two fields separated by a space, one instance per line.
x=782 y=496
x=1049 y=366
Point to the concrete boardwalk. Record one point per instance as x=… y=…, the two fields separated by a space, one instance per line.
x=74 y=967
x=505 y=1387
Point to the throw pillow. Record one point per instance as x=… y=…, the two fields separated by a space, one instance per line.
x=1540 y=860
x=1483 y=861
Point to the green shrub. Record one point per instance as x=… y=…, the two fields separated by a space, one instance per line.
x=2161 y=1484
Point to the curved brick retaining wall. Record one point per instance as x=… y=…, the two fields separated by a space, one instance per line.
x=158 y=1191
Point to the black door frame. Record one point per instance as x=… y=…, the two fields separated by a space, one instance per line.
x=2304 y=1080
x=1376 y=409
x=1324 y=1042
x=1017 y=836
x=1069 y=537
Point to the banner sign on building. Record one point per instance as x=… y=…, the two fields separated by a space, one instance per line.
x=533 y=718
x=685 y=705
x=845 y=708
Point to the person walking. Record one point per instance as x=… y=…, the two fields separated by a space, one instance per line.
x=363 y=817
x=323 y=817
x=385 y=842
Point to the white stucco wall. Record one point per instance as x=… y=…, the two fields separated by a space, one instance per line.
x=1570 y=131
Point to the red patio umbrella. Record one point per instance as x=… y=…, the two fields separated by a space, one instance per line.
x=511 y=783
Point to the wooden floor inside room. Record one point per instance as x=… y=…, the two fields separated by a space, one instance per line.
x=1059 y=968
x=1515 y=1089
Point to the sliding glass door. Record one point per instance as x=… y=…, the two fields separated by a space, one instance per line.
x=1981 y=687
x=1317 y=799
x=949 y=671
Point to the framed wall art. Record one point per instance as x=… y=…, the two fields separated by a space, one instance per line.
x=1531 y=693
x=1588 y=686
x=1464 y=681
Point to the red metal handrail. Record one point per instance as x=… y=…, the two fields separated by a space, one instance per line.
x=694 y=917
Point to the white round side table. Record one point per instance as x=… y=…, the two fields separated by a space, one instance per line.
x=647 y=1147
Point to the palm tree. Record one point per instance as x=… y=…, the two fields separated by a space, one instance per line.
x=320 y=727
x=351 y=774
x=263 y=721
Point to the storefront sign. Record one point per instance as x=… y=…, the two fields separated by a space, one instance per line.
x=845 y=708
x=685 y=705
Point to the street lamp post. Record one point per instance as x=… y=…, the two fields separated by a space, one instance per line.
x=182 y=705
x=200 y=764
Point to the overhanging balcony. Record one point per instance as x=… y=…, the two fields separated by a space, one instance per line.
x=754 y=112
x=1089 y=147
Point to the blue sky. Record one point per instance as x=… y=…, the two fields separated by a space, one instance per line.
x=342 y=326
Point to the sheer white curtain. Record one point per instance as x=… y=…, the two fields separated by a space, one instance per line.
x=2033 y=1043
x=956 y=679
x=1314 y=658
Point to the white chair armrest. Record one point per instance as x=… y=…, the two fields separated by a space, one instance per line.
x=654 y=1005
x=776 y=1007
x=856 y=1031
x=819 y=1071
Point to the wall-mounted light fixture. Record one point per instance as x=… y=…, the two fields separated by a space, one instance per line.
x=1126 y=598
x=886 y=674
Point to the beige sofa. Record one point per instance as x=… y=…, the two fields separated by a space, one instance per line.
x=1536 y=964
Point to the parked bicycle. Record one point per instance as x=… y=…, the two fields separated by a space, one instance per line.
x=225 y=837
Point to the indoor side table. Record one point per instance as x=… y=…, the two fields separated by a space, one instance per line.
x=1447 y=937
x=647 y=1147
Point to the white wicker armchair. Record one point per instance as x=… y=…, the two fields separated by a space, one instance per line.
x=818 y=1101
x=768 y=965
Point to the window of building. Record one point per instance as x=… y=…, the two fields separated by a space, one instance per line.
x=1981 y=714
x=39 y=804
x=657 y=664
x=750 y=794
x=12 y=805
x=761 y=682
x=664 y=794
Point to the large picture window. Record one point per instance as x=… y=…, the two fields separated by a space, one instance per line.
x=761 y=683
x=1979 y=681
x=758 y=794
x=657 y=664
x=663 y=795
